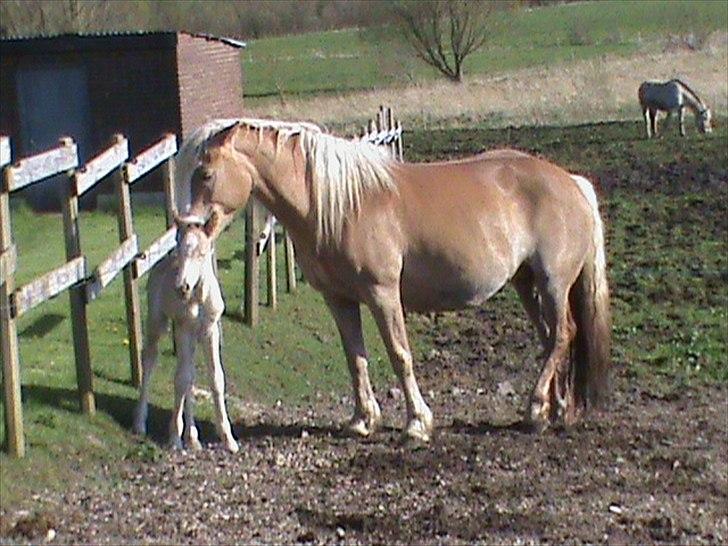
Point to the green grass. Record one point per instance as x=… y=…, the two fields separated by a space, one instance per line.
x=663 y=204
x=346 y=60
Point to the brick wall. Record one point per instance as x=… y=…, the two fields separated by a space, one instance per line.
x=210 y=81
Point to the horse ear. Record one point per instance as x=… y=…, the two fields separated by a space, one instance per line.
x=213 y=223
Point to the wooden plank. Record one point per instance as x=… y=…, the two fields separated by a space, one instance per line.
x=400 y=151
x=49 y=285
x=111 y=266
x=131 y=284
x=77 y=300
x=8 y=262
x=150 y=158
x=290 y=264
x=265 y=235
x=4 y=151
x=35 y=168
x=14 y=435
x=101 y=165
x=156 y=251
x=170 y=194
x=252 y=268
x=272 y=270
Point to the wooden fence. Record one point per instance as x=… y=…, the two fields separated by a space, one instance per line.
x=84 y=285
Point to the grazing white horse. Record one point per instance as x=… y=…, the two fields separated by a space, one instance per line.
x=183 y=288
x=673 y=96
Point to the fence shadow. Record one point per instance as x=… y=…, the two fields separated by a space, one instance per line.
x=119 y=408
x=42 y=325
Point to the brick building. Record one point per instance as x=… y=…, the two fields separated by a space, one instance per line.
x=90 y=87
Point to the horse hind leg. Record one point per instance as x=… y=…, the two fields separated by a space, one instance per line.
x=524 y=283
x=552 y=396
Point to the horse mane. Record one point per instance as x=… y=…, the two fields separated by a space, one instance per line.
x=340 y=171
x=690 y=90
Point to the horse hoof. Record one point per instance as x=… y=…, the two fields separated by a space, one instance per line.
x=232 y=446
x=418 y=431
x=175 y=444
x=359 y=427
x=140 y=429
x=194 y=444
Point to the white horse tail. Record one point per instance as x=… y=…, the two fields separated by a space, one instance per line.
x=590 y=307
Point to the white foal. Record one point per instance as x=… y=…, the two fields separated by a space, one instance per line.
x=183 y=288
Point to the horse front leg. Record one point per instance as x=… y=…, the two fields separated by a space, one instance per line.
x=386 y=306
x=211 y=344
x=681 y=117
x=648 y=122
x=367 y=414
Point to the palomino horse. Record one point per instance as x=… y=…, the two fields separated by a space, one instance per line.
x=422 y=237
x=183 y=288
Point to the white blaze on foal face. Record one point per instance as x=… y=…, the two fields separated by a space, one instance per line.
x=192 y=247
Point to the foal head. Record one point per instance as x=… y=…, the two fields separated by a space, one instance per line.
x=703 y=121
x=194 y=246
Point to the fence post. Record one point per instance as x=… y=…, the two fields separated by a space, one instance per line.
x=77 y=296
x=14 y=436
x=391 y=127
x=400 y=151
x=131 y=284
x=272 y=272
x=290 y=263
x=252 y=267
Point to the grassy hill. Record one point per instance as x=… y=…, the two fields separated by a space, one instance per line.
x=347 y=60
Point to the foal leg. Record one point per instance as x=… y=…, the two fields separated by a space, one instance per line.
x=156 y=325
x=190 y=434
x=183 y=379
x=367 y=414
x=386 y=307
x=211 y=345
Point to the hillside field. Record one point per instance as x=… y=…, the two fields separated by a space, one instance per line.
x=354 y=60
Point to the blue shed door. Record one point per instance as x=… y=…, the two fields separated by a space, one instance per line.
x=53 y=102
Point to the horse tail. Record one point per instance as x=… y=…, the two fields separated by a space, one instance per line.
x=589 y=301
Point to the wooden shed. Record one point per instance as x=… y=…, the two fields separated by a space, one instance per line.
x=90 y=87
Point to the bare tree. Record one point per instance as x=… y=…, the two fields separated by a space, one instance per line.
x=443 y=33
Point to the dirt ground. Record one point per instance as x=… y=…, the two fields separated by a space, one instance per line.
x=651 y=469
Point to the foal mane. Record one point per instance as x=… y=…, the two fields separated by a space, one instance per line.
x=340 y=172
